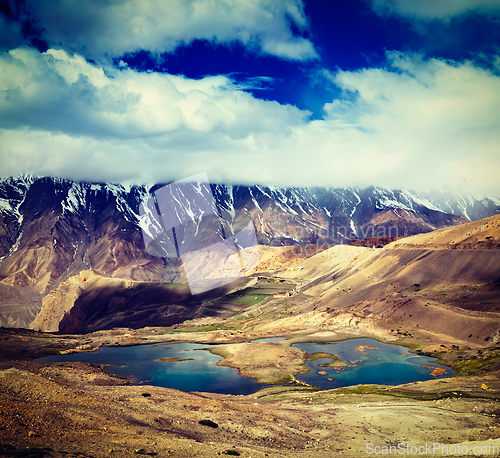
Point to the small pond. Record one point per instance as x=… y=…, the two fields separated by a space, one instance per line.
x=366 y=361
x=191 y=367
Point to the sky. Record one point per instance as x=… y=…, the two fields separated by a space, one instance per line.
x=402 y=94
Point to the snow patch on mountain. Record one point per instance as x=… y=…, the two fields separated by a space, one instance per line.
x=75 y=202
x=421 y=201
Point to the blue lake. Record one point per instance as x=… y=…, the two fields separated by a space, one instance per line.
x=142 y=365
x=368 y=362
x=382 y=364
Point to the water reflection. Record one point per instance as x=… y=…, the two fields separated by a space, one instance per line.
x=196 y=369
x=366 y=361
x=191 y=367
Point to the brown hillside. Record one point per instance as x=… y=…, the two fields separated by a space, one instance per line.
x=482 y=234
x=440 y=282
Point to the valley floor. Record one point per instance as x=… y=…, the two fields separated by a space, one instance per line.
x=437 y=294
x=79 y=410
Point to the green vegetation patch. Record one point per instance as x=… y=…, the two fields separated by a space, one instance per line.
x=215 y=327
x=320 y=355
x=407 y=394
x=467 y=362
x=368 y=391
x=360 y=389
x=473 y=366
x=280 y=389
x=244 y=298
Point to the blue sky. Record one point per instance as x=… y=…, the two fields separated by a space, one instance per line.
x=392 y=93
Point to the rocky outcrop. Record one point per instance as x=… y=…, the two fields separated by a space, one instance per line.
x=59 y=235
x=60 y=301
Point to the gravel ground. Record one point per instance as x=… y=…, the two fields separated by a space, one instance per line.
x=79 y=410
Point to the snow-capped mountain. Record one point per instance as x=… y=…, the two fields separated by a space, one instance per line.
x=51 y=229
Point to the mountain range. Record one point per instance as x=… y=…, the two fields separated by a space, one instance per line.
x=53 y=229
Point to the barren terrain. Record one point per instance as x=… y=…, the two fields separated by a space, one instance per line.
x=433 y=298
x=76 y=409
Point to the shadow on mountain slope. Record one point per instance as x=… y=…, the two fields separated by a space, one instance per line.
x=143 y=304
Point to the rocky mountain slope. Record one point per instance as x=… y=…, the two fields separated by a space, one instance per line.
x=409 y=285
x=436 y=293
x=53 y=229
x=445 y=282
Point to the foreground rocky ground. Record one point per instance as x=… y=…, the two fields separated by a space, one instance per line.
x=79 y=410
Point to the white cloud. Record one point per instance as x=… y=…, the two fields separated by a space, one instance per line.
x=55 y=108
x=424 y=121
x=67 y=94
x=97 y=29
x=435 y=9
x=415 y=124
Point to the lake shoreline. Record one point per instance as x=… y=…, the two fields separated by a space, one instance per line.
x=124 y=418
x=268 y=361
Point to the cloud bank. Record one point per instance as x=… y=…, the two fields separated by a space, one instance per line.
x=414 y=123
x=104 y=29
x=436 y=9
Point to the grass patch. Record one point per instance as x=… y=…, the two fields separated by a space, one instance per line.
x=320 y=355
x=359 y=389
x=247 y=299
x=383 y=390
x=422 y=396
x=473 y=366
x=469 y=363
x=349 y=394
x=215 y=327
x=280 y=389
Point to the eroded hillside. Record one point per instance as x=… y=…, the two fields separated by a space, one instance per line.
x=419 y=284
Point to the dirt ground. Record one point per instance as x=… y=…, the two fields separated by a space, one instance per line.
x=79 y=410
x=267 y=362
